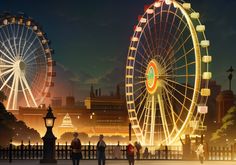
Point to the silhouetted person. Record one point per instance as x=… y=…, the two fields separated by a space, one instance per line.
x=130 y=153
x=101 y=146
x=76 y=149
x=145 y=153
x=200 y=152
x=138 y=148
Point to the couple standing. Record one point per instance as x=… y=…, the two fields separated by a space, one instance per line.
x=77 y=154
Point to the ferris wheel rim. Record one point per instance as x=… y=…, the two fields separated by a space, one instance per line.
x=20 y=57
x=197 y=78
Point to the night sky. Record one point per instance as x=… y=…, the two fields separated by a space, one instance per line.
x=91 y=38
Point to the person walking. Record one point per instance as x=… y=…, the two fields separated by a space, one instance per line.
x=76 y=149
x=145 y=153
x=130 y=153
x=200 y=152
x=101 y=146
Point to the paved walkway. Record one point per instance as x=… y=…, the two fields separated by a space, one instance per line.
x=123 y=162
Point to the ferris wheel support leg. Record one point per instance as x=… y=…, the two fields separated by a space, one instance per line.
x=29 y=90
x=163 y=118
x=23 y=90
x=153 y=120
x=10 y=96
x=15 y=93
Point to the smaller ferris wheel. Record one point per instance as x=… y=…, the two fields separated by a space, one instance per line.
x=26 y=65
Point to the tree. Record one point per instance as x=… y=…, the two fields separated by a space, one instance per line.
x=226 y=133
x=11 y=128
x=3 y=97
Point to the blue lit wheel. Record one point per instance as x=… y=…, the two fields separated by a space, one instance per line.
x=167 y=73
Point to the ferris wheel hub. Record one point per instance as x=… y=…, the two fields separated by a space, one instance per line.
x=153 y=76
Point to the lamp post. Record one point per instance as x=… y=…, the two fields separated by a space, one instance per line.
x=49 y=139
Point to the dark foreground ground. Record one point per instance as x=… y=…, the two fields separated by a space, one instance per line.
x=122 y=162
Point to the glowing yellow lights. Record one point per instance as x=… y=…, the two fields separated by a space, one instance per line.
x=207 y=75
x=168 y=2
x=44 y=41
x=138 y=29
x=187 y=6
x=157 y=4
x=132 y=48
x=35 y=28
x=134 y=39
x=205 y=43
x=131 y=58
x=195 y=15
x=207 y=59
x=129 y=85
x=200 y=28
x=5 y=21
x=202 y=109
x=129 y=67
x=28 y=23
x=205 y=92
x=39 y=34
x=143 y=20
x=150 y=11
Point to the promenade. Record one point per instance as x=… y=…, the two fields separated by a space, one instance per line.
x=122 y=162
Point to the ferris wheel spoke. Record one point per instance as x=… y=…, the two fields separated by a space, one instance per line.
x=141 y=64
x=145 y=50
x=140 y=82
x=171 y=27
x=148 y=45
x=21 y=35
x=177 y=39
x=179 y=58
x=26 y=51
x=146 y=118
x=14 y=38
x=6 y=81
x=8 y=40
x=180 y=103
x=140 y=72
x=184 y=66
x=152 y=41
x=29 y=90
x=185 y=97
x=3 y=53
x=144 y=94
x=185 y=86
x=26 y=40
x=8 y=62
x=33 y=51
x=170 y=106
x=145 y=59
x=23 y=90
x=163 y=118
x=6 y=66
x=176 y=76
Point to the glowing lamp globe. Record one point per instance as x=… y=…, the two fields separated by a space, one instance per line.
x=49 y=119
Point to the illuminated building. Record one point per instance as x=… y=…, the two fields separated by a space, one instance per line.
x=66 y=125
x=100 y=114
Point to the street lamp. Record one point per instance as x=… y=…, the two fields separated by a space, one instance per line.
x=49 y=139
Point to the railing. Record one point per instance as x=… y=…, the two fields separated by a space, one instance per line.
x=63 y=152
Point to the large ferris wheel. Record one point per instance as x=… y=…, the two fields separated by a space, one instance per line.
x=26 y=65
x=167 y=73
